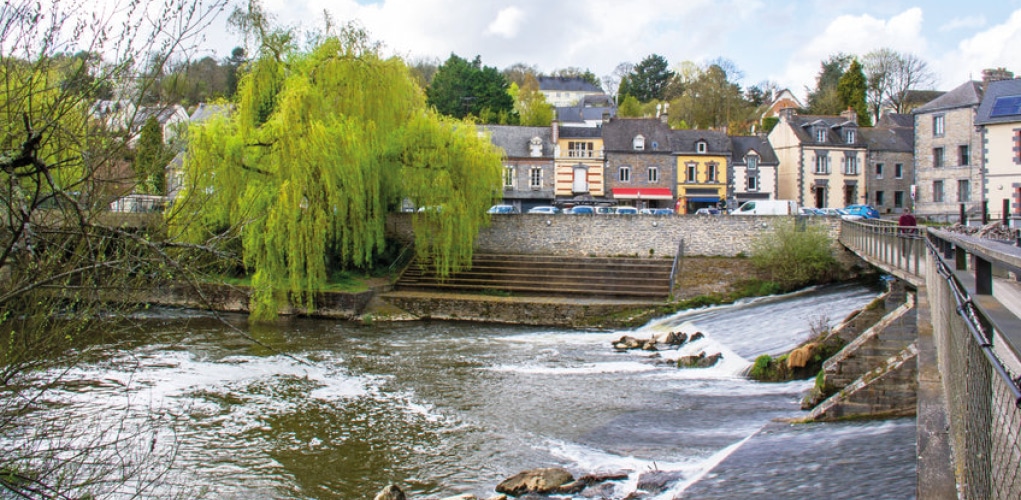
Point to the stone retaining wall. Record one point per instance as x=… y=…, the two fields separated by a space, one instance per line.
x=618 y=235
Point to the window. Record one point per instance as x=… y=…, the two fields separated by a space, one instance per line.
x=638 y=143
x=820 y=134
x=879 y=198
x=579 y=149
x=937 y=191
x=822 y=164
x=535 y=177
x=653 y=174
x=1017 y=146
x=898 y=199
x=898 y=171
x=753 y=182
x=937 y=157
x=963 y=191
x=580 y=182
x=937 y=125
x=752 y=161
x=508 y=177
x=850 y=136
x=963 y=155
x=701 y=147
x=624 y=174
x=879 y=170
x=850 y=165
x=692 y=172
x=710 y=172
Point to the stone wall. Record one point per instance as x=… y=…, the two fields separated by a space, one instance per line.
x=618 y=235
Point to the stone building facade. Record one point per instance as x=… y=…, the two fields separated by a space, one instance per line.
x=640 y=169
x=890 y=164
x=948 y=170
x=528 y=175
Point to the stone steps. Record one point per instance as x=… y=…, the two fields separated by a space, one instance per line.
x=619 y=277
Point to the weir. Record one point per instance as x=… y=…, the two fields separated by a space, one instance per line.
x=968 y=352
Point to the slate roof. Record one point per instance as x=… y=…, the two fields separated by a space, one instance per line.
x=967 y=94
x=205 y=111
x=1000 y=88
x=619 y=134
x=741 y=145
x=577 y=114
x=562 y=84
x=515 y=140
x=567 y=132
x=896 y=120
x=804 y=126
x=683 y=141
x=889 y=139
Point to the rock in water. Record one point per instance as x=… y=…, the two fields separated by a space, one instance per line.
x=544 y=480
x=391 y=492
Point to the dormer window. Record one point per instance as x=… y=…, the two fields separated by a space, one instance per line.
x=639 y=143
x=752 y=161
x=820 y=134
x=701 y=147
x=850 y=136
x=535 y=147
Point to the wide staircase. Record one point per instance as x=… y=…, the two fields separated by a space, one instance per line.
x=542 y=275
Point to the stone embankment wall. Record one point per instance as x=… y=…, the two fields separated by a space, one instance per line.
x=618 y=235
x=337 y=305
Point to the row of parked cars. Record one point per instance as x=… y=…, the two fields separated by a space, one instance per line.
x=850 y=212
x=582 y=209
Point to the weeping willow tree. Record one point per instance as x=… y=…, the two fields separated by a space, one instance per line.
x=321 y=144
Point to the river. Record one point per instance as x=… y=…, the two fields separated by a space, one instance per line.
x=329 y=409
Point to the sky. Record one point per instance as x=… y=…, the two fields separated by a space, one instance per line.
x=781 y=41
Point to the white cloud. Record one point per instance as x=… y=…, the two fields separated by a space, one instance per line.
x=853 y=35
x=969 y=22
x=993 y=48
x=507 y=23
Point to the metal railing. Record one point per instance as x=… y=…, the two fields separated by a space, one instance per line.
x=675 y=270
x=976 y=356
x=897 y=248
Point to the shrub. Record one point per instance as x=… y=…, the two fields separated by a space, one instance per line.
x=794 y=254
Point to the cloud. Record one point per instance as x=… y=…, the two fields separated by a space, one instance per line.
x=969 y=22
x=853 y=35
x=993 y=48
x=507 y=23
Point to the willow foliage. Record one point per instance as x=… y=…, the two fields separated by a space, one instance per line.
x=320 y=146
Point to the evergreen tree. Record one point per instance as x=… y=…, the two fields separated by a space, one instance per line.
x=824 y=99
x=852 y=88
x=649 y=79
x=320 y=147
x=461 y=89
x=151 y=158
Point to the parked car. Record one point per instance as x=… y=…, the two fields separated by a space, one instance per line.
x=831 y=212
x=865 y=211
x=583 y=210
x=626 y=211
x=544 y=210
x=503 y=209
x=810 y=211
x=604 y=210
x=767 y=207
x=662 y=211
x=707 y=211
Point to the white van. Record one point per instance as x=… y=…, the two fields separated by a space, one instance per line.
x=767 y=207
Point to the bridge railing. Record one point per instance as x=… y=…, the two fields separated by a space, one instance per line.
x=977 y=339
x=898 y=247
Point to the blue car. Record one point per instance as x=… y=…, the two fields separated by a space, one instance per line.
x=586 y=210
x=864 y=211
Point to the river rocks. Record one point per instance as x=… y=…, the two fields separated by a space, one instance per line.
x=391 y=492
x=699 y=360
x=800 y=357
x=658 y=481
x=544 y=480
x=672 y=340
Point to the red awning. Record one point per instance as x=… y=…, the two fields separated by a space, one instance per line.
x=643 y=193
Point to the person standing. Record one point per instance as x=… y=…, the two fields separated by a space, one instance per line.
x=907 y=229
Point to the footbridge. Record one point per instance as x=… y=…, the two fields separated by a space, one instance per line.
x=968 y=301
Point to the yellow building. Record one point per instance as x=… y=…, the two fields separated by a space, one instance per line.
x=703 y=169
x=578 y=164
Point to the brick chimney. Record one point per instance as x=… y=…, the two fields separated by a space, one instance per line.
x=555 y=131
x=850 y=115
x=995 y=74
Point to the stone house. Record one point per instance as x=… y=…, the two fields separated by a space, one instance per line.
x=703 y=169
x=578 y=165
x=948 y=173
x=566 y=91
x=821 y=159
x=528 y=179
x=890 y=163
x=640 y=168
x=590 y=111
x=999 y=122
x=753 y=170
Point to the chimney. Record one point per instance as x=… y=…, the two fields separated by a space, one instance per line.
x=664 y=115
x=554 y=131
x=606 y=117
x=850 y=115
x=993 y=75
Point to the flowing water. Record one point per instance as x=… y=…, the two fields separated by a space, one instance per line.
x=326 y=409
